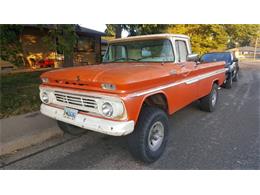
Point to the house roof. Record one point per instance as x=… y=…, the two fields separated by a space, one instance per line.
x=79 y=29
x=88 y=31
x=104 y=42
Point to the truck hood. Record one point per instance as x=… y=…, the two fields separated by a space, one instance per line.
x=125 y=76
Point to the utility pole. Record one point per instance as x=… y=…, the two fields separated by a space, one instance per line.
x=255 y=47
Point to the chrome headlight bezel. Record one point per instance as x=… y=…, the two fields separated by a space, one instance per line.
x=45 y=97
x=117 y=108
x=107 y=109
x=45 y=93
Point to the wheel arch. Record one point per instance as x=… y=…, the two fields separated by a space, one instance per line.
x=216 y=81
x=158 y=99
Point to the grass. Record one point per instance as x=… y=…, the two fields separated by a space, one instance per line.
x=19 y=93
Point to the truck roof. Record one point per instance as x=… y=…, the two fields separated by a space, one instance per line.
x=148 y=37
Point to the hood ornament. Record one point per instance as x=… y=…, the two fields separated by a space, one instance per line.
x=77 y=78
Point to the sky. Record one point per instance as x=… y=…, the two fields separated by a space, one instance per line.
x=100 y=27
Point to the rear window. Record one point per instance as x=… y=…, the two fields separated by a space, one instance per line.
x=216 y=57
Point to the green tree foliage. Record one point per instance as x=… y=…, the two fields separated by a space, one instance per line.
x=242 y=34
x=134 y=29
x=63 y=38
x=10 y=44
x=204 y=37
x=115 y=29
x=145 y=29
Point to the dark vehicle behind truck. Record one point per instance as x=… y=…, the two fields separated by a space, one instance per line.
x=232 y=67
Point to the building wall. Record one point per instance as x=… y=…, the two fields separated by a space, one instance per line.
x=87 y=52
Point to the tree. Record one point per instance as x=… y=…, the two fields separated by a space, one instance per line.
x=145 y=29
x=115 y=29
x=204 y=37
x=242 y=34
x=134 y=29
x=10 y=44
x=63 y=38
x=60 y=37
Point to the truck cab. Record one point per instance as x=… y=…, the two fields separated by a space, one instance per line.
x=150 y=48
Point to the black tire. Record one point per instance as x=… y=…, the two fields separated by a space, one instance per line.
x=229 y=82
x=236 y=76
x=70 y=129
x=206 y=103
x=138 y=140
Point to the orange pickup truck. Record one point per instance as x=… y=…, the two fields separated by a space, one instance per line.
x=141 y=81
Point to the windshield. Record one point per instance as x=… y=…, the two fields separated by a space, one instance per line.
x=143 y=51
x=215 y=57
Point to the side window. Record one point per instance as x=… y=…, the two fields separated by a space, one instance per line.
x=182 y=51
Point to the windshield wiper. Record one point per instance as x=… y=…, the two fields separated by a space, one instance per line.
x=124 y=59
x=144 y=58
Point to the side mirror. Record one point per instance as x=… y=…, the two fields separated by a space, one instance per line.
x=193 y=57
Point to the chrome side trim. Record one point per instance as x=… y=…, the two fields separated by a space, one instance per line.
x=186 y=81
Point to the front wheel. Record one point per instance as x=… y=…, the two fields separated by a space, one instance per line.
x=209 y=102
x=149 y=138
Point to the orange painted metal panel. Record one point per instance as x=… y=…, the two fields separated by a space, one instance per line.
x=181 y=83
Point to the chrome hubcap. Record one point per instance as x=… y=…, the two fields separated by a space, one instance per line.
x=156 y=136
x=214 y=97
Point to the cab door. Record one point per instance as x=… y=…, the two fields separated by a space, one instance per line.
x=187 y=91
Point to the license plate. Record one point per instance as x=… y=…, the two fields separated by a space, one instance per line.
x=70 y=113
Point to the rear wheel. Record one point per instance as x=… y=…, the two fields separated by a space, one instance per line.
x=70 y=129
x=149 y=138
x=236 y=76
x=209 y=102
x=229 y=82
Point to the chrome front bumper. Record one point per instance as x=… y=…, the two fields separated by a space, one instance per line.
x=115 y=128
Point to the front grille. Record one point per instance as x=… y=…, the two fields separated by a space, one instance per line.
x=81 y=102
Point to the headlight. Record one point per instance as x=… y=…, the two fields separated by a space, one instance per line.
x=107 y=109
x=45 y=80
x=45 y=97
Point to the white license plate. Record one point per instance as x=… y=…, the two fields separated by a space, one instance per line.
x=70 y=113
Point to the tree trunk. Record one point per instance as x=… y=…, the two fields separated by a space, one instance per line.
x=68 y=59
x=118 y=30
